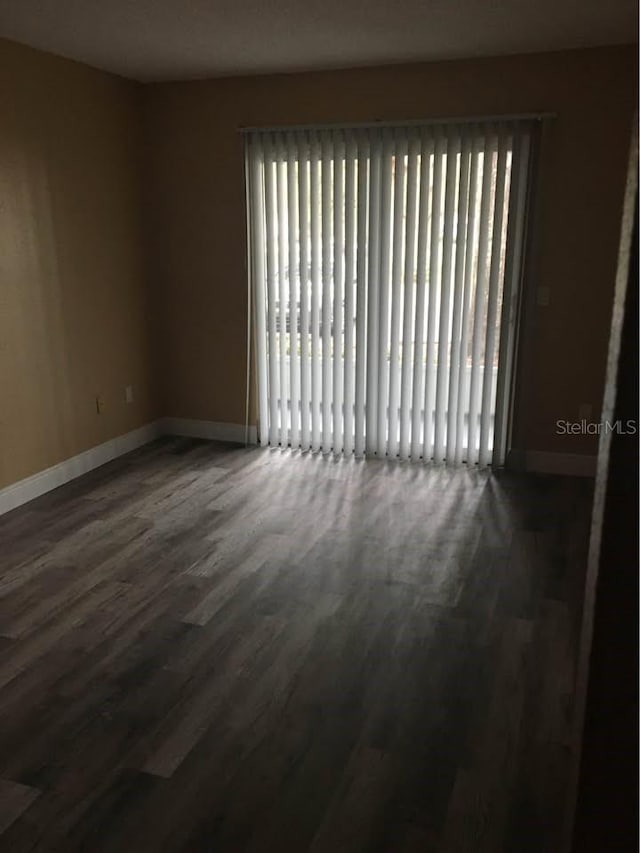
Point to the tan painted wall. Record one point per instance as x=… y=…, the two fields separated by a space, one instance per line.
x=76 y=304
x=196 y=217
x=72 y=300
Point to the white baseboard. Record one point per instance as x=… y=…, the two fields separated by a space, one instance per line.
x=44 y=481
x=538 y=461
x=547 y=462
x=209 y=429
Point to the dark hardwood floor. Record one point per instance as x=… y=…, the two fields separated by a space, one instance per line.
x=208 y=648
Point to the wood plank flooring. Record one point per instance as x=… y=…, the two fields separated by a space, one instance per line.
x=210 y=648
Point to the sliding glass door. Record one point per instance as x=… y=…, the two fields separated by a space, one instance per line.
x=385 y=268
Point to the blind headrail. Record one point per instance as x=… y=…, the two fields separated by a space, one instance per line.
x=374 y=123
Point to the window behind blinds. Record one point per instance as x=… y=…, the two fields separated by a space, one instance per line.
x=385 y=265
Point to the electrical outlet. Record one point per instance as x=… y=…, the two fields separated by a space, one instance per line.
x=100 y=404
x=128 y=394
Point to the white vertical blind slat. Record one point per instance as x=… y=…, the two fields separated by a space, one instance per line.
x=327 y=300
x=386 y=249
x=442 y=373
x=283 y=290
x=316 y=291
x=417 y=399
x=471 y=242
x=338 y=290
x=363 y=152
x=303 y=218
x=294 y=286
x=272 y=263
x=457 y=354
x=396 y=294
x=373 y=288
x=408 y=314
x=350 y=293
x=434 y=284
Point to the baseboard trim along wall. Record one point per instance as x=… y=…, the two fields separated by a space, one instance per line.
x=212 y=430
x=535 y=461
x=44 y=481
x=547 y=462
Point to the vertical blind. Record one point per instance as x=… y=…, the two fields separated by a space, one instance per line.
x=385 y=265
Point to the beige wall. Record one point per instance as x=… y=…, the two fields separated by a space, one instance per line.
x=196 y=218
x=72 y=300
x=77 y=304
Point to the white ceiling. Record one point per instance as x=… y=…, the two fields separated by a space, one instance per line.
x=184 y=39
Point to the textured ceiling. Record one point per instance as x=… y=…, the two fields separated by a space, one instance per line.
x=184 y=39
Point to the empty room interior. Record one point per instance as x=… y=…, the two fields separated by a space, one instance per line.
x=318 y=415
